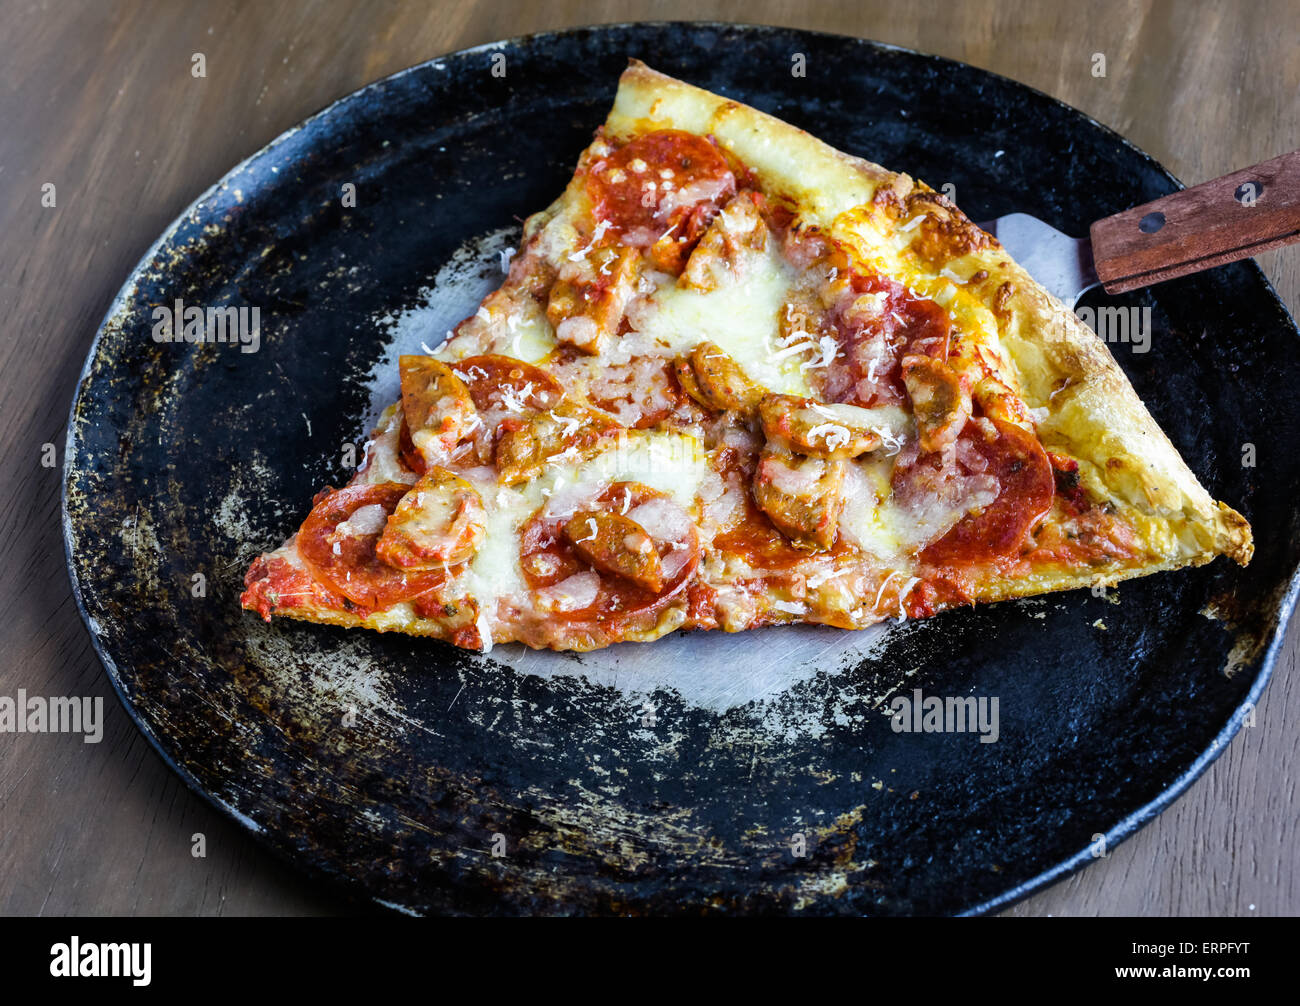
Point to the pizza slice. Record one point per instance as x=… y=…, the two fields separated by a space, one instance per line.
x=736 y=378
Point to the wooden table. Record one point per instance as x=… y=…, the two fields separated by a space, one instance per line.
x=99 y=100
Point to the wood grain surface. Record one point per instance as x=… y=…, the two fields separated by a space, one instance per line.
x=97 y=98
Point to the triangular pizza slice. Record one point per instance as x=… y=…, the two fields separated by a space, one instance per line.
x=737 y=378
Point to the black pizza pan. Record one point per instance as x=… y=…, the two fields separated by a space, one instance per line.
x=429 y=780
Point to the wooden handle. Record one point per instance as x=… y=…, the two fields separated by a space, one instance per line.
x=1232 y=217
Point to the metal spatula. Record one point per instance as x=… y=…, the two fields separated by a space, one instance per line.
x=1230 y=218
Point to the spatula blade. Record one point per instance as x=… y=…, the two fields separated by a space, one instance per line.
x=1059 y=262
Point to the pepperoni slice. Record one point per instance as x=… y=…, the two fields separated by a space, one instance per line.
x=507 y=393
x=504 y=383
x=578 y=593
x=411 y=458
x=345 y=559
x=1020 y=464
x=877 y=322
x=657 y=180
x=927 y=328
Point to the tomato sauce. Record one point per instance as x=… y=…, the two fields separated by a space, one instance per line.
x=273 y=584
x=951 y=589
x=756 y=540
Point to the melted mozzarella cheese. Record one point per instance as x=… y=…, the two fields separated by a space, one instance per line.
x=571 y=594
x=515 y=328
x=365 y=520
x=494 y=574
x=528 y=336
x=875 y=520
x=862 y=521
x=673 y=463
x=740 y=316
x=663 y=521
x=878 y=521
